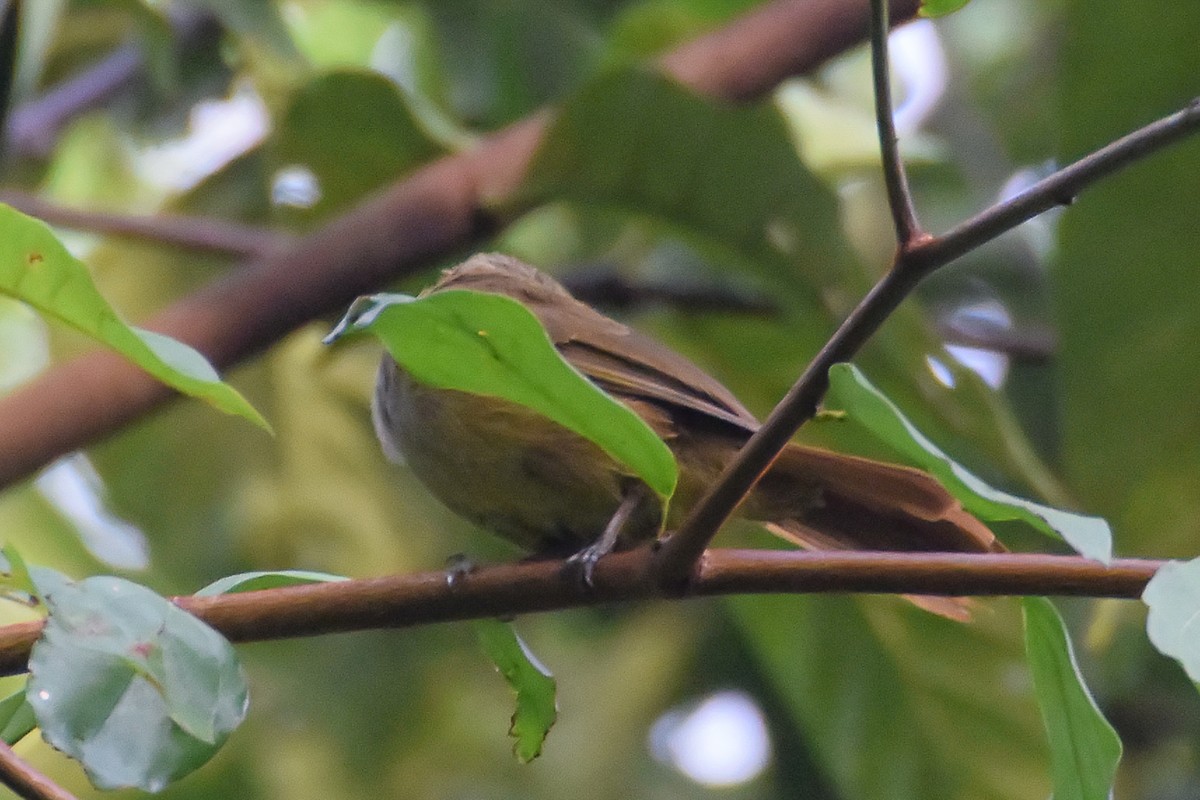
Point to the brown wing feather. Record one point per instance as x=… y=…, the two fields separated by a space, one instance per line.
x=872 y=505
x=613 y=355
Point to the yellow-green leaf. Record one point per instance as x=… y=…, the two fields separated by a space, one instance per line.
x=36 y=269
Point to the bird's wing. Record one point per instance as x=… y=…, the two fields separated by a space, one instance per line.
x=629 y=365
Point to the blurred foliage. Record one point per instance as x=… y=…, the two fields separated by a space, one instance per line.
x=863 y=698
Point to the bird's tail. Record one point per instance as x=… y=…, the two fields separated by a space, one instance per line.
x=820 y=500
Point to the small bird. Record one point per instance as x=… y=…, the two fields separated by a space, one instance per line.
x=551 y=491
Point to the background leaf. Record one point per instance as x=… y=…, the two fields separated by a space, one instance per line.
x=1173 y=597
x=940 y=8
x=354 y=131
x=895 y=703
x=16 y=718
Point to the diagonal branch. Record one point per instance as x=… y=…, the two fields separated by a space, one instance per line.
x=1058 y=189
x=434 y=213
x=402 y=601
x=682 y=551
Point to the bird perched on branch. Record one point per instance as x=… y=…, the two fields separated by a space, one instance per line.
x=548 y=489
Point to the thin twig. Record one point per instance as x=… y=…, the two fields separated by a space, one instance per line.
x=178 y=230
x=1058 y=189
x=25 y=781
x=680 y=552
x=904 y=213
x=35 y=125
x=401 y=601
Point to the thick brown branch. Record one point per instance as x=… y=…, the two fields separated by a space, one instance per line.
x=429 y=215
x=401 y=601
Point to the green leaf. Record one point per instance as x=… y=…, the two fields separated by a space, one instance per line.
x=135 y=688
x=257 y=20
x=1173 y=597
x=36 y=269
x=536 y=709
x=492 y=345
x=940 y=8
x=732 y=195
x=16 y=573
x=1084 y=748
x=16 y=718
x=850 y=390
x=355 y=132
x=1128 y=377
x=253 y=581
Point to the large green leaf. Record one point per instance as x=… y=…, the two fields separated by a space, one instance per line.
x=135 y=688
x=850 y=390
x=533 y=684
x=1084 y=748
x=725 y=178
x=36 y=269
x=489 y=344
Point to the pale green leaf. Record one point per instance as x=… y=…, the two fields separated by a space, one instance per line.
x=136 y=689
